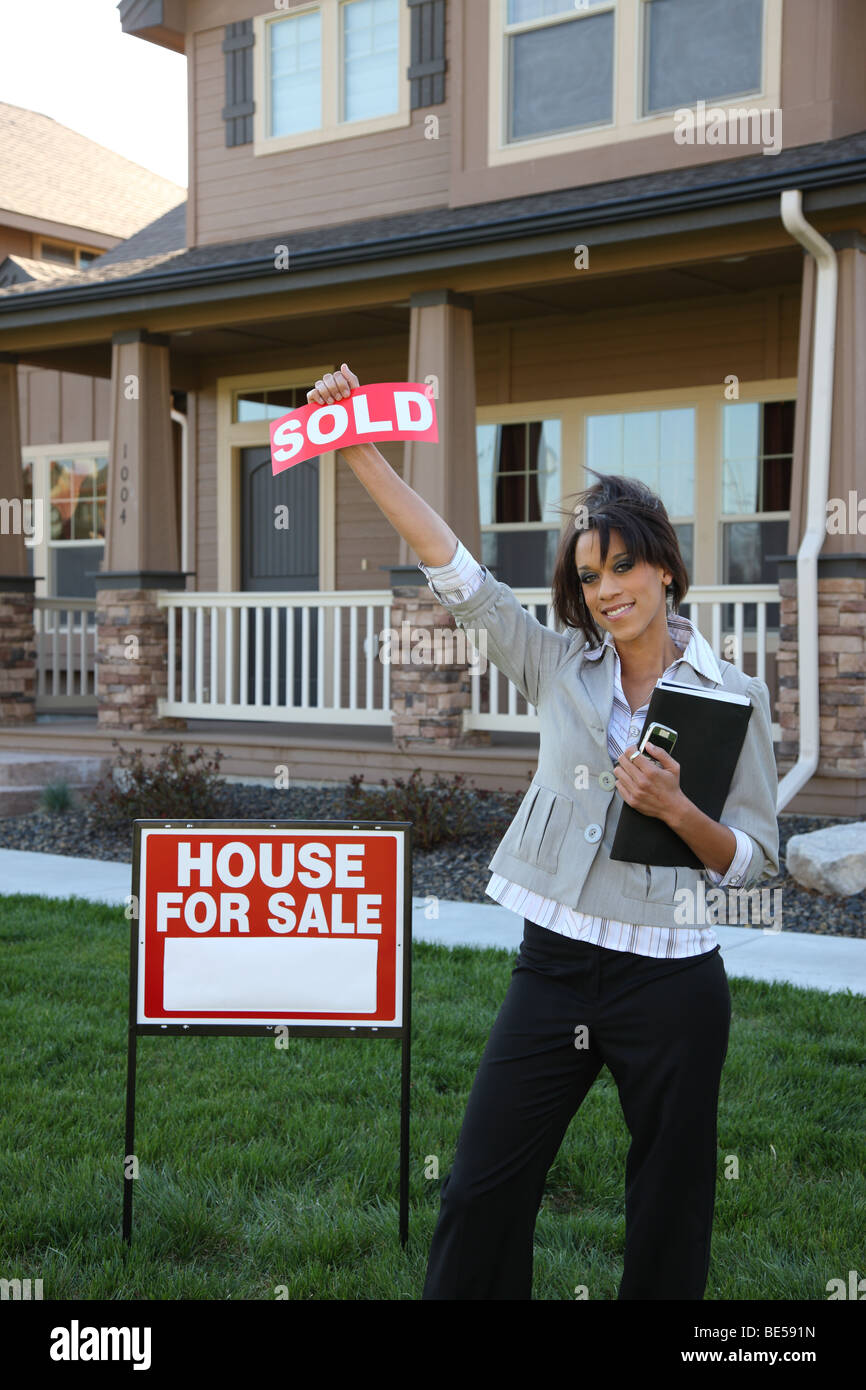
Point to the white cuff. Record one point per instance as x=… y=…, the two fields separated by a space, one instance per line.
x=733 y=875
x=456 y=581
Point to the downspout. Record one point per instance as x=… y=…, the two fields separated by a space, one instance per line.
x=817 y=485
x=181 y=420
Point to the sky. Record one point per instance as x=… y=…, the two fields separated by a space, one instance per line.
x=68 y=59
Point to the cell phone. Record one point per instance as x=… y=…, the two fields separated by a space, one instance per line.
x=660 y=735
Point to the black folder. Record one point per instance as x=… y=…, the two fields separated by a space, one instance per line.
x=711 y=728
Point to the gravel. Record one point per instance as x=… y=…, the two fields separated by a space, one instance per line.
x=454 y=870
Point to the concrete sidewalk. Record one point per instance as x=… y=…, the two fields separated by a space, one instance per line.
x=828 y=963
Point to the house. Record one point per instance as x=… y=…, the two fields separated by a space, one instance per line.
x=66 y=202
x=587 y=227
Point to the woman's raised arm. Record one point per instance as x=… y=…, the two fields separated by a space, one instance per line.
x=420 y=526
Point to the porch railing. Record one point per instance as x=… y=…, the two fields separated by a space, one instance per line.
x=66 y=672
x=230 y=655
x=507 y=710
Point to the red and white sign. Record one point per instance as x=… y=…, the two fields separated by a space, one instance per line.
x=385 y=410
x=270 y=926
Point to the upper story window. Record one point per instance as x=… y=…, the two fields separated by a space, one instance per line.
x=559 y=64
x=329 y=70
x=572 y=74
x=700 y=50
x=62 y=253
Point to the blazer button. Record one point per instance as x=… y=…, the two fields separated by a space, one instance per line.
x=592 y=833
x=606 y=780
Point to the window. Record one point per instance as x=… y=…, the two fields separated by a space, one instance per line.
x=296 y=74
x=699 y=49
x=266 y=405
x=575 y=74
x=560 y=66
x=371 y=54
x=757 y=459
x=60 y=253
x=330 y=70
x=73 y=488
x=520 y=485
x=658 y=448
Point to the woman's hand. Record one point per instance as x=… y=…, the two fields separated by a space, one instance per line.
x=651 y=789
x=333 y=386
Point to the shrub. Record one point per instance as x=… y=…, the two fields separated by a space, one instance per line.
x=56 y=798
x=439 y=811
x=176 y=785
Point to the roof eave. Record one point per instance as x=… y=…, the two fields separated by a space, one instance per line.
x=162 y=22
x=539 y=233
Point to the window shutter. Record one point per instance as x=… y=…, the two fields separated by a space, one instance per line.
x=238 y=110
x=427 y=71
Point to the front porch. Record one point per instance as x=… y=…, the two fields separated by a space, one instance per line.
x=215 y=623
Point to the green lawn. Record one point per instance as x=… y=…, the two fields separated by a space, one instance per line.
x=263 y=1167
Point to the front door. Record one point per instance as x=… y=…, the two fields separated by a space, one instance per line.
x=279 y=559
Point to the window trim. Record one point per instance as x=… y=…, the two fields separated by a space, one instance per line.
x=232 y=436
x=708 y=402
x=75 y=247
x=41 y=455
x=332 y=127
x=628 y=124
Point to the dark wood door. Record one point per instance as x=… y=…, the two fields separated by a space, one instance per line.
x=278 y=559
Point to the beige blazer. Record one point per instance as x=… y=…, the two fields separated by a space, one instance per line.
x=559 y=842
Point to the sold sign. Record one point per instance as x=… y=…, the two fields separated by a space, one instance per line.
x=386 y=410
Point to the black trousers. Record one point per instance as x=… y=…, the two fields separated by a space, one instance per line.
x=661 y=1027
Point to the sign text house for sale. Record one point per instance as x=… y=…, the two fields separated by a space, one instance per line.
x=266 y=925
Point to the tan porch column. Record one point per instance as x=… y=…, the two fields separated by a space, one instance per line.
x=17 y=639
x=427 y=700
x=838 y=786
x=142 y=550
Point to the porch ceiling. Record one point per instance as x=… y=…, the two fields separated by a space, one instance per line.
x=196 y=354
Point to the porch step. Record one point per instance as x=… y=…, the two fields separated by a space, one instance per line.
x=24 y=777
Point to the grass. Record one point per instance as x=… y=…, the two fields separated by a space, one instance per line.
x=263 y=1168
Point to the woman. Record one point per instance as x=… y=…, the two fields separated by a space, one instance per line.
x=606 y=973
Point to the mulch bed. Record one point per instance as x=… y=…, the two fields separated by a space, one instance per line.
x=456 y=870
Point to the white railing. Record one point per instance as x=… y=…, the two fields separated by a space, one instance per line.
x=228 y=657
x=66 y=672
x=703 y=605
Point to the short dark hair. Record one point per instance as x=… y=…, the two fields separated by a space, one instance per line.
x=628 y=506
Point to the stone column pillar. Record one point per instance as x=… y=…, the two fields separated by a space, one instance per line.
x=838 y=786
x=17 y=636
x=430 y=679
x=142 y=545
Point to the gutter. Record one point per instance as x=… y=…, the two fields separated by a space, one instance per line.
x=817 y=486
x=496 y=233
x=182 y=420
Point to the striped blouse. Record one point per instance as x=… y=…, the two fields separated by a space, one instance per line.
x=457 y=581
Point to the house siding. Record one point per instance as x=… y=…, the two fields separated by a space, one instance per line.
x=62 y=407
x=236 y=193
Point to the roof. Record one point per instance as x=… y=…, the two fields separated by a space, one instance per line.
x=164 y=234
x=18 y=270
x=53 y=174
x=711 y=194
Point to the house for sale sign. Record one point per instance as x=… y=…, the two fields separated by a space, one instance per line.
x=263 y=923
x=370 y=414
